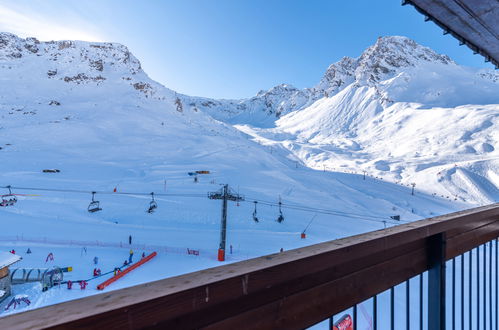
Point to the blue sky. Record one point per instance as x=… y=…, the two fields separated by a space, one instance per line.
x=231 y=48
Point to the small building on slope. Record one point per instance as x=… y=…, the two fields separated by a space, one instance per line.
x=6 y=259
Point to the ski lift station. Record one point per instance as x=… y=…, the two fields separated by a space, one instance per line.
x=6 y=260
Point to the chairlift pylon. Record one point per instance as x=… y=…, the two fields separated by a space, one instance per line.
x=255 y=218
x=8 y=199
x=152 y=205
x=280 y=218
x=94 y=205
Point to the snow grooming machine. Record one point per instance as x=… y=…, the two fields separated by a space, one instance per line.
x=94 y=205
x=9 y=199
x=152 y=205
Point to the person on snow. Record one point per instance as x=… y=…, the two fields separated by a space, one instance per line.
x=96 y=272
x=130 y=239
x=96 y=260
x=70 y=284
x=13 y=251
x=29 y=251
x=125 y=263
x=143 y=254
x=83 y=285
x=131 y=256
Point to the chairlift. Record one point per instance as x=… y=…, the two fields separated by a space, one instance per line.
x=255 y=218
x=152 y=205
x=280 y=218
x=9 y=199
x=94 y=205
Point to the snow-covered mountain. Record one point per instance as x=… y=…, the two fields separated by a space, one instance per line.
x=399 y=110
x=89 y=110
x=403 y=112
x=397 y=68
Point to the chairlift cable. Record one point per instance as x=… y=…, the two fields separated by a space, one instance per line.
x=106 y=192
x=297 y=207
x=309 y=223
x=307 y=208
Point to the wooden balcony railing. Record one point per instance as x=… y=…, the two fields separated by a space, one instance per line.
x=289 y=290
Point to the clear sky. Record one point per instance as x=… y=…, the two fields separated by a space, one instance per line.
x=231 y=48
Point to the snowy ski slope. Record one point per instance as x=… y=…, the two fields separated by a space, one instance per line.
x=89 y=110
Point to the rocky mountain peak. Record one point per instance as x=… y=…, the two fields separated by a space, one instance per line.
x=337 y=76
x=74 y=57
x=387 y=56
x=390 y=54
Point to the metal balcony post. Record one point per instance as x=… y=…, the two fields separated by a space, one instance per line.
x=436 y=282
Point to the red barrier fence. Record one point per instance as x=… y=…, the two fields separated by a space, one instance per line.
x=97 y=243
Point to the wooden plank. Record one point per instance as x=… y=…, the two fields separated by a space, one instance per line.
x=470 y=223
x=290 y=312
x=227 y=292
x=270 y=285
x=469 y=240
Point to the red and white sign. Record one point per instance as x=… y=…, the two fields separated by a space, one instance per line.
x=345 y=323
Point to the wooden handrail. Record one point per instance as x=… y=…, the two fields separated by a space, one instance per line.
x=290 y=290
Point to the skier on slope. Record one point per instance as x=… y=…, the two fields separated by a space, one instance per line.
x=131 y=256
x=97 y=272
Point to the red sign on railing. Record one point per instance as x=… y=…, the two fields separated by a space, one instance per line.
x=345 y=323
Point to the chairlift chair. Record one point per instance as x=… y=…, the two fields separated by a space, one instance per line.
x=255 y=218
x=9 y=199
x=152 y=205
x=280 y=218
x=94 y=205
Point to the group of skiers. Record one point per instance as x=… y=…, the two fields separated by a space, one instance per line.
x=96 y=271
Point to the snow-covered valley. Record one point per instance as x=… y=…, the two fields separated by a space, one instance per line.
x=399 y=113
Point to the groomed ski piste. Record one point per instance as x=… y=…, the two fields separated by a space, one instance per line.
x=125 y=136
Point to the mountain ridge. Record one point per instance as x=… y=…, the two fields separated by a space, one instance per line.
x=391 y=87
x=81 y=62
